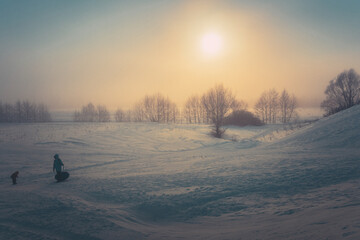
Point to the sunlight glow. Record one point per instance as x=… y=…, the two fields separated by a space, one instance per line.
x=212 y=43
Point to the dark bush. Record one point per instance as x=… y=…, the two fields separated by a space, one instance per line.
x=242 y=118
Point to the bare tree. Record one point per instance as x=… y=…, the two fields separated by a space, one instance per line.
x=188 y=111
x=43 y=114
x=267 y=106
x=149 y=104
x=193 y=109
x=138 y=112
x=342 y=92
x=287 y=106
x=155 y=108
x=24 y=111
x=102 y=114
x=261 y=108
x=119 y=115
x=239 y=105
x=18 y=110
x=89 y=113
x=77 y=116
x=217 y=102
x=9 y=111
x=172 y=112
x=274 y=104
x=160 y=108
x=129 y=116
x=123 y=116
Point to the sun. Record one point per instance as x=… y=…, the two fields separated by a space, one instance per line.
x=211 y=44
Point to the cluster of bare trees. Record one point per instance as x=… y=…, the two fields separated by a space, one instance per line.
x=196 y=111
x=221 y=107
x=214 y=106
x=157 y=108
x=152 y=108
x=272 y=107
x=211 y=107
x=90 y=113
x=287 y=104
x=217 y=103
x=122 y=116
x=24 y=111
x=342 y=92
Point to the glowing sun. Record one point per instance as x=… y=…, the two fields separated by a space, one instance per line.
x=211 y=43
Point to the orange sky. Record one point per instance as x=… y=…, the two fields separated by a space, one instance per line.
x=114 y=56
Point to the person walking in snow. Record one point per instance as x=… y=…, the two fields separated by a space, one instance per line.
x=14 y=176
x=58 y=164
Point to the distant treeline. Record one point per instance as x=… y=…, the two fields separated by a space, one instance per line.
x=270 y=108
x=24 y=112
x=90 y=113
x=151 y=108
x=217 y=105
x=155 y=108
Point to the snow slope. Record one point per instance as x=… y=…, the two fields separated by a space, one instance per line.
x=154 y=181
x=334 y=132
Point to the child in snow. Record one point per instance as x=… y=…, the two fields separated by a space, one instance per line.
x=58 y=164
x=14 y=176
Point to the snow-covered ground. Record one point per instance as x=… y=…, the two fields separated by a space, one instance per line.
x=155 y=181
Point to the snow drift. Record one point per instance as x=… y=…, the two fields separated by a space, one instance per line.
x=341 y=130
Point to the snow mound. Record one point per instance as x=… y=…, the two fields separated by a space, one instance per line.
x=338 y=131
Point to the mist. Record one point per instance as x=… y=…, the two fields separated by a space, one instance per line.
x=115 y=53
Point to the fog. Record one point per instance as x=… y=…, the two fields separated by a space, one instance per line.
x=115 y=53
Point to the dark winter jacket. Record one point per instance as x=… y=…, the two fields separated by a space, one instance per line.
x=57 y=165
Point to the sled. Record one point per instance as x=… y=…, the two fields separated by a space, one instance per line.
x=62 y=176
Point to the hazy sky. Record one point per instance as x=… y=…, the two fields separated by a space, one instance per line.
x=67 y=53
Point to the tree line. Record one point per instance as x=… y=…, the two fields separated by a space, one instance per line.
x=24 y=112
x=212 y=106
x=221 y=107
x=218 y=106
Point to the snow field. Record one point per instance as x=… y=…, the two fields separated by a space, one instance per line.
x=154 y=181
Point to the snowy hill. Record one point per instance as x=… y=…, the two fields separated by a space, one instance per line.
x=341 y=130
x=153 y=181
